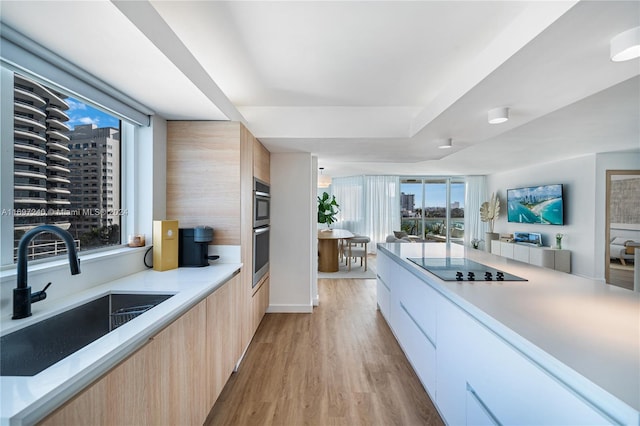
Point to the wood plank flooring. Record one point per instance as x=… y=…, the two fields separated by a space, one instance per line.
x=339 y=365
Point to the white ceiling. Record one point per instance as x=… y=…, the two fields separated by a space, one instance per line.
x=370 y=87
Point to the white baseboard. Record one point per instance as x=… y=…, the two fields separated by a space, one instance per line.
x=290 y=309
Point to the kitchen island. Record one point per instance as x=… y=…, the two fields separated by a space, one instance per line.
x=27 y=400
x=554 y=349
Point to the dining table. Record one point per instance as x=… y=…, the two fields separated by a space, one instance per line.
x=328 y=253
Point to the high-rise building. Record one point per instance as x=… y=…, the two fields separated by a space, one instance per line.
x=41 y=161
x=95 y=177
x=407 y=202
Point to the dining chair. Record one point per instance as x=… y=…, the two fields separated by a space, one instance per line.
x=357 y=247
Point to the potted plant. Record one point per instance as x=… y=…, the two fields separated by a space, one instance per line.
x=327 y=209
x=489 y=211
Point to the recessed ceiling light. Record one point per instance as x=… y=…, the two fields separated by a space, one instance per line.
x=445 y=144
x=498 y=115
x=626 y=45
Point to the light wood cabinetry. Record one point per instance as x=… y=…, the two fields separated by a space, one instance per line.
x=259 y=302
x=223 y=336
x=164 y=382
x=261 y=162
x=547 y=257
x=204 y=177
x=210 y=170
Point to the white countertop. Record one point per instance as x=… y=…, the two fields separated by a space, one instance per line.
x=557 y=320
x=25 y=400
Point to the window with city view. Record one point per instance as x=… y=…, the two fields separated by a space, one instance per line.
x=425 y=211
x=66 y=169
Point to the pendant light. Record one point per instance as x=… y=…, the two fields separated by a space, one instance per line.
x=324 y=181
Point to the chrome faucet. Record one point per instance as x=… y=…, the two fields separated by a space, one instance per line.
x=22 y=296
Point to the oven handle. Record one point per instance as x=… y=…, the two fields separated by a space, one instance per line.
x=262 y=194
x=258 y=231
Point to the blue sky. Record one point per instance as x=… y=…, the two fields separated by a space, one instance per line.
x=80 y=113
x=435 y=194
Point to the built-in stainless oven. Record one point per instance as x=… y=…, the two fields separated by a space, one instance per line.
x=261 y=213
x=261 y=203
x=260 y=253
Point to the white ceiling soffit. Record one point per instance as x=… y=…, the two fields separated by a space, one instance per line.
x=351 y=69
x=98 y=38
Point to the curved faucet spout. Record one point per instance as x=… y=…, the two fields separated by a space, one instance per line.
x=22 y=297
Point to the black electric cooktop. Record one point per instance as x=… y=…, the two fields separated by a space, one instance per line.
x=461 y=269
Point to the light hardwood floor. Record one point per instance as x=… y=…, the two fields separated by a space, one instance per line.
x=339 y=365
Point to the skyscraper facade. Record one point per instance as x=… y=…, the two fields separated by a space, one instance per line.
x=41 y=156
x=95 y=177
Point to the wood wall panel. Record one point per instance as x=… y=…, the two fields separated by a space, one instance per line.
x=203 y=177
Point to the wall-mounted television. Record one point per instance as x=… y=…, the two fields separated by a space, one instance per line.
x=536 y=204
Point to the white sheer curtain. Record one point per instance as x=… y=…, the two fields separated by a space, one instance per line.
x=369 y=205
x=382 y=212
x=475 y=195
x=349 y=192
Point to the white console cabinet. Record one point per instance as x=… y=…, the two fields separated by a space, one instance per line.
x=547 y=257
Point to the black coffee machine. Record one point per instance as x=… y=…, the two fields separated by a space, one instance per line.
x=194 y=246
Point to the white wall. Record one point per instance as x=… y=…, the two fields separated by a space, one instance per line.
x=584 y=180
x=292 y=229
x=578 y=175
x=314 y=241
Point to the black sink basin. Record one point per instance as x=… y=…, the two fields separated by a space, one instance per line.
x=28 y=351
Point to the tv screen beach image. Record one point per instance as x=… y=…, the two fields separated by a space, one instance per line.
x=538 y=204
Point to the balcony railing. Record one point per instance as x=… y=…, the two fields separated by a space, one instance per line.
x=435 y=228
x=39 y=250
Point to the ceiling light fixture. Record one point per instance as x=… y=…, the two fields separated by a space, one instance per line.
x=498 y=115
x=324 y=181
x=445 y=143
x=626 y=45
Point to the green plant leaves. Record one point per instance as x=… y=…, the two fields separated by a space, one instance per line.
x=327 y=209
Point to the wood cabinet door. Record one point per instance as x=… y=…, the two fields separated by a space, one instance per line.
x=261 y=162
x=223 y=334
x=164 y=382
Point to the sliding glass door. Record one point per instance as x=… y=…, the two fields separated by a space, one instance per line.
x=433 y=208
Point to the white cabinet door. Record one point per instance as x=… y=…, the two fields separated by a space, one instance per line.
x=477 y=413
x=506 y=250
x=521 y=253
x=451 y=359
x=419 y=349
x=409 y=306
x=513 y=390
x=383 y=295
x=542 y=256
x=495 y=247
x=383 y=266
x=562 y=260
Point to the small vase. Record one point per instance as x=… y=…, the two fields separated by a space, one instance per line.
x=559 y=243
x=490 y=236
